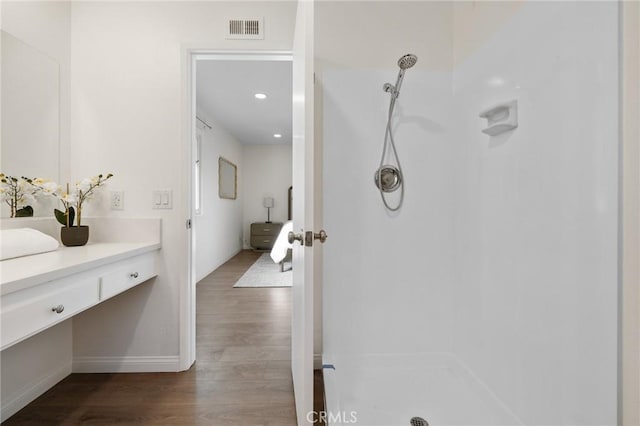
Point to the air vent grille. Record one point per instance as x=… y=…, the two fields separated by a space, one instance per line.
x=245 y=29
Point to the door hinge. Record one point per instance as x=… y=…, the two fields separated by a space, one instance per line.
x=188 y=224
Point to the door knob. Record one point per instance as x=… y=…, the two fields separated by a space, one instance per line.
x=295 y=237
x=322 y=236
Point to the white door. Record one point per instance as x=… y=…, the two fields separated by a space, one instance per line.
x=302 y=214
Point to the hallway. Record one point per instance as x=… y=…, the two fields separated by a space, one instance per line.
x=242 y=375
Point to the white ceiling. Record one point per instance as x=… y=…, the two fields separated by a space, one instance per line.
x=225 y=92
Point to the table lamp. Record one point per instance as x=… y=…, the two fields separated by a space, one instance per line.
x=268 y=203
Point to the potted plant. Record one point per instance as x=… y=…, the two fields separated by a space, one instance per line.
x=17 y=193
x=72 y=201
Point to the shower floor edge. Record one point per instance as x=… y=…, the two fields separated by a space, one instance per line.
x=390 y=389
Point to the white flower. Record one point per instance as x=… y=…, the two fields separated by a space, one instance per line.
x=26 y=200
x=71 y=197
x=68 y=198
x=23 y=185
x=48 y=187
x=85 y=184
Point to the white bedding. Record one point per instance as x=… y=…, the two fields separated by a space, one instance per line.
x=280 y=247
x=24 y=242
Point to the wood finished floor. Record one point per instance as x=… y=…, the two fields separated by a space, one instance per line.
x=242 y=375
x=319 y=403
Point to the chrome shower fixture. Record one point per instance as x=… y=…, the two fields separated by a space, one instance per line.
x=405 y=62
x=388 y=177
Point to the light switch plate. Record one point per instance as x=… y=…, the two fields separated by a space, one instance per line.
x=162 y=199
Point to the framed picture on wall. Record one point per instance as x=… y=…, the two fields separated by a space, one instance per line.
x=227 y=179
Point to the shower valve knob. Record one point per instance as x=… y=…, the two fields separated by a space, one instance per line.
x=295 y=237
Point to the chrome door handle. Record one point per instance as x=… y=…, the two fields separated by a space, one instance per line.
x=322 y=236
x=295 y=237
x=58 y=309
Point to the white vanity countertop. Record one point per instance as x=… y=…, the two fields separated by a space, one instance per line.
x=23 y=272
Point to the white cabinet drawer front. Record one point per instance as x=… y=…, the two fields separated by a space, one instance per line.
x=23 y=317
x=127 y=275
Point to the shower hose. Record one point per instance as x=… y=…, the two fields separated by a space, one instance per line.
x=390 y=146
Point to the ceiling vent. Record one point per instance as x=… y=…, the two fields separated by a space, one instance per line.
x=245 y=29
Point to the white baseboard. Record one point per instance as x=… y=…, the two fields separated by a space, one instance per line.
x=126 y=364
x=31 y=391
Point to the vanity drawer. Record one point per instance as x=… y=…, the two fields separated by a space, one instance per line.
x=127 y=275
x=30 y=311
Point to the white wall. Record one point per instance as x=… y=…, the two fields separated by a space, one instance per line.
x=218 y=229
x=45 y=359
x=266 y=173
x=387 y=277
x=127 y=106
x=536 y=295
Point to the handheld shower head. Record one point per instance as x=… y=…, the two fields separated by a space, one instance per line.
x=388 y=178
x=407 y=61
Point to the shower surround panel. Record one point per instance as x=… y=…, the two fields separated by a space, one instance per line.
x=504 y=255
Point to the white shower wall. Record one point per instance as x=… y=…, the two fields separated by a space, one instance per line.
x=388 y=277
x=505 y=251
x=536 y=213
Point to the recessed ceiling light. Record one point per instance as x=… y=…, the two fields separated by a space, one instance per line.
x=277 y=135
x=260 y=96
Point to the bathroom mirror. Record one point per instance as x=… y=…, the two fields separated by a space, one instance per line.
x=227 y=179
x=30 y=115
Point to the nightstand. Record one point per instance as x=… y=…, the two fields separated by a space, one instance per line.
x=263 y=235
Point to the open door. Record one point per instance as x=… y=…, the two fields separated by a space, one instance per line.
x=303 y=190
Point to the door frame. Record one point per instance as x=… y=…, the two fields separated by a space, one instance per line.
x=629 y=214
x=190 y=55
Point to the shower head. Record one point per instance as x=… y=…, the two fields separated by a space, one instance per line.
x=407 y=61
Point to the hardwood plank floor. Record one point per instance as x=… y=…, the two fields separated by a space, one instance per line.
x=319 y=403
x=242 y=375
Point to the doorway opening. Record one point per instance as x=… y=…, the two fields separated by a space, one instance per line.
x=241 y=172
x=242 y=166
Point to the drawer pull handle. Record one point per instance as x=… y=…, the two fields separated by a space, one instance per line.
x=58 y=309
x=134 y=275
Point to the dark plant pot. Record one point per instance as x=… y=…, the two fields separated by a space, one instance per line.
x=73 y=236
